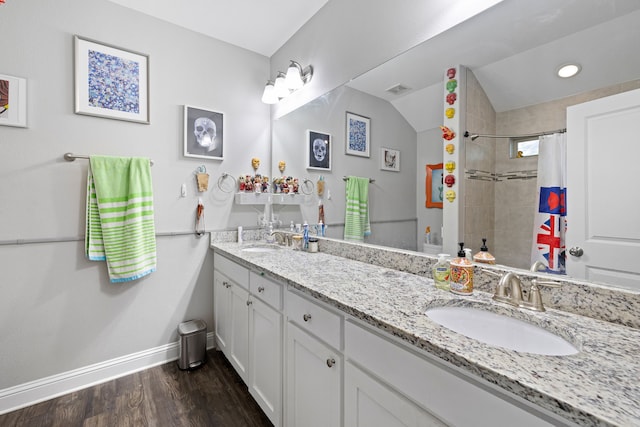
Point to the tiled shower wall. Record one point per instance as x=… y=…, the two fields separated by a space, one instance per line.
x=499 y=205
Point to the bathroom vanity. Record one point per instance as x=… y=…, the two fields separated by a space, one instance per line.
x=322 y=340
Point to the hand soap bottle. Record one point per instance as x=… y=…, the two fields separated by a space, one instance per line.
x=441 y=272
x=484 y=256
x=461 y=276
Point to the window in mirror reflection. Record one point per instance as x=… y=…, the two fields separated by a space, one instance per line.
x=524 y=147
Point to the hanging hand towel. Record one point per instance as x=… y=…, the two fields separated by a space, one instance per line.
x=120 y=225
x=356 y=221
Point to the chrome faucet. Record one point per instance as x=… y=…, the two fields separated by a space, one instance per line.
x=509 y=290
x=282 y=238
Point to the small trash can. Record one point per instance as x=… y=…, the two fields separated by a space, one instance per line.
x=193 y=344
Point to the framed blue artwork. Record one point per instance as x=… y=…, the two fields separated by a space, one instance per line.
x=358 y=136
x=111 y=82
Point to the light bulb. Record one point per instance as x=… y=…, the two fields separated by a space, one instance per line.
x=281 y=88
x=568 y=70
x=294 y=77
x=269 y=95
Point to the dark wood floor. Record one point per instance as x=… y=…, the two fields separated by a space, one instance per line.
x=213 y=395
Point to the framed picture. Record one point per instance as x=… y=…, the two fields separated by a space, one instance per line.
x=358 y=136
x=203 y=133
x=434 y=186
x=318 y=150
x=389 y=159
x=111 y=82
x=13 y=101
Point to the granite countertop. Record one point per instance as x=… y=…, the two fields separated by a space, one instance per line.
x=599 y=386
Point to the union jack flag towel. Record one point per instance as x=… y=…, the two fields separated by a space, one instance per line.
x=550 y=220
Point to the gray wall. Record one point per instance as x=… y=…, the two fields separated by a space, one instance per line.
x=391 y=196
x=57 y=311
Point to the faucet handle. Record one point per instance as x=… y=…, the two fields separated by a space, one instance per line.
x=535 y=299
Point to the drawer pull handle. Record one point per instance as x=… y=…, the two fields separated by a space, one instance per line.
x=306 y=317
x=260 y=288
x=226 y=284
x=249 y=302
x=330 y=362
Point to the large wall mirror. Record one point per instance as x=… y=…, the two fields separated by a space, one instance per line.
x=510 y=53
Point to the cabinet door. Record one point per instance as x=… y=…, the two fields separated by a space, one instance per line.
x=265 y=359
x=238 y=353
x=368 y=403
x=313 y=381
x=222 y=325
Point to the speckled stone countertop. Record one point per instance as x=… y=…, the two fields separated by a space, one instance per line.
x=599 y=386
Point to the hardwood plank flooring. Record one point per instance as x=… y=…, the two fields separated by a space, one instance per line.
x=212 y=396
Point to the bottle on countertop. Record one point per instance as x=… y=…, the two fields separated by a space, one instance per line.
x=484 y=256
x=441 y=271
x=427 y=235
x=461 y=276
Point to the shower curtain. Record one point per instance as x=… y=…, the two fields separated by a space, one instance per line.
x=550 y=217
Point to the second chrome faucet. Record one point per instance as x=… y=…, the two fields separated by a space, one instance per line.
x=509 y=290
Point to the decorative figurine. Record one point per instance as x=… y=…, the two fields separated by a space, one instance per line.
x=451 y=73
x=450 y=166
x=450 y=148
x=447 y=133
x=451 y=98
x=450 y=195
x=450 y=112
x=449 y=180
x=241 y=183
x=282 y=165
x=255 y=163
x=452 y=85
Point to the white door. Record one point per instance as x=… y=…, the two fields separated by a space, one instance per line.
x=603 y=197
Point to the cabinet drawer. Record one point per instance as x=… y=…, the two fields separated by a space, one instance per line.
x=232 y=270
x=321 y=322
x=265 y=289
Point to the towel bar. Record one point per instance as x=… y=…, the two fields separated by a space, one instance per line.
x=70 y=157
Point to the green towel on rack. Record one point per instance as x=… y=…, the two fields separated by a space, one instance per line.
x=120 y=226
x=356 y=221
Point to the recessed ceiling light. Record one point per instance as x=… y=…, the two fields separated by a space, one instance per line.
x=568 y=70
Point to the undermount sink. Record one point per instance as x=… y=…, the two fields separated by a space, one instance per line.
x=500 y=330
x=261 y=248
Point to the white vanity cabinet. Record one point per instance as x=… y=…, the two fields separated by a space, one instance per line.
x=230 y=312
x=248 y=330
x=265 y=345
x=385 y=378
x=314 y=364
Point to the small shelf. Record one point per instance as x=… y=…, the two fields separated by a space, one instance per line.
x=270 y=199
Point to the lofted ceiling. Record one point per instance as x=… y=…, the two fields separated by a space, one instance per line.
x=513 y=48
x=261 y=26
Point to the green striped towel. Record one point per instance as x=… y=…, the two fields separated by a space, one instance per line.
x=120 y=228
x=356 y=221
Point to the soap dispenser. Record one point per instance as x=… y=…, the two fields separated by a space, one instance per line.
x=441 y=271
x=461 y=276
x=484 y=256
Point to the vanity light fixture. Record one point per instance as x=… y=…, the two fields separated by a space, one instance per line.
x=269 y=94
x=285 y=84
x=568 y=70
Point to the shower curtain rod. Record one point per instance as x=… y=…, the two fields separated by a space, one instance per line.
x=70 y=157
x=473 y=136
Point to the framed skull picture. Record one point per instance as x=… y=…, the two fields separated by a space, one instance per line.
x=318 y=150
x=203 y=133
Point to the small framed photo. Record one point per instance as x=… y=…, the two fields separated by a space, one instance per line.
x=358 y=135
x=111 y=82
x=13 y=101
x=203 y=133
x=434 y=186
x=389 y=159
x=318 y=150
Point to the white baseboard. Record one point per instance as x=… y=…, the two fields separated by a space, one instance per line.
x=33 y=392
